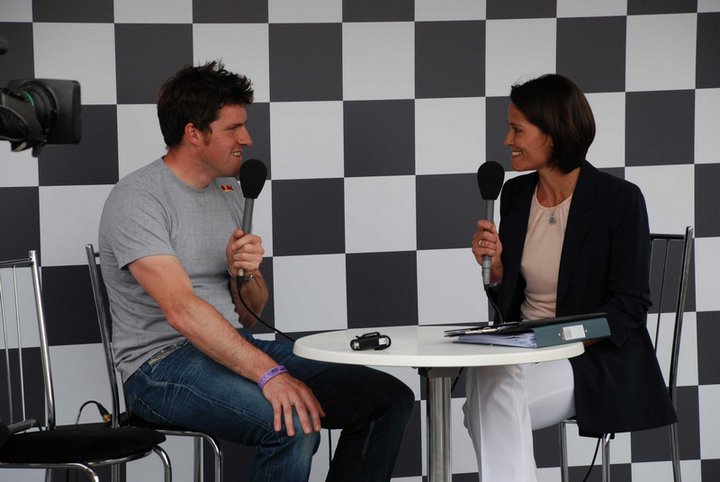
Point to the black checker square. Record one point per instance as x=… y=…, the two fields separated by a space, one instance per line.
x=237 y=11
x=308 y=217
x=382 y=289
x=708 y=333
x=449 y=59
x=650 y=139
x=20 y=208
x=70 y=314
x=378 y=10
x=32 y=381
x=97 y=11
x=710 y=469
x=654 y=445
x=496 y=127
x=618 y=472
x=305 y=62
x=17 y=61
x=546 y=446
x=93 y=161
x=591 y=52
x=379 y=137
x=707 y=200
x=448 y=207
x=708 y=50
x=146 y=56
x=651 y=7
x=502 y=9
x=259 y=126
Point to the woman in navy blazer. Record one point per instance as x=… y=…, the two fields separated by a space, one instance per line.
x=572 y=240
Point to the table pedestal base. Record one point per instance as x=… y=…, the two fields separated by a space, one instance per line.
x=439 y=384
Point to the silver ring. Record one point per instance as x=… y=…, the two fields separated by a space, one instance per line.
x=481 y=243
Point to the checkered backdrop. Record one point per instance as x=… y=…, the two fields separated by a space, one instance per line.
x=373 y=117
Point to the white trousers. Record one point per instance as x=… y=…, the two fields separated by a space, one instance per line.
x=505 y=404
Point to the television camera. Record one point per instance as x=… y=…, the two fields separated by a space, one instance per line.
x=38 y=112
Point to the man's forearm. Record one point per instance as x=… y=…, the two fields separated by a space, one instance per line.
x=254 y=294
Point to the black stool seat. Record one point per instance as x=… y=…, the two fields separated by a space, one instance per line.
x=85 y=443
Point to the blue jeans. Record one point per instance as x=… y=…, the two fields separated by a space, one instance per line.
x=181 y=386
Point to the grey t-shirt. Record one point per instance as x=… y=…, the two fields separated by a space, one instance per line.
x=152 y=212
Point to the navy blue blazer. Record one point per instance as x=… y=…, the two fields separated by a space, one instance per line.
x=604 y=267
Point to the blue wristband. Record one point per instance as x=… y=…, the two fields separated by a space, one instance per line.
x=270 y=374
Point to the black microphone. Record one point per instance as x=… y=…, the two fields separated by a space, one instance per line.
x=490 y=176
x=252 y=179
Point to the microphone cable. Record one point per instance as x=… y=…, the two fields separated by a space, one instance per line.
x=240 y=281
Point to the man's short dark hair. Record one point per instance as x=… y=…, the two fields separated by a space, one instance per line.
x=559 y=109
x=195 y=95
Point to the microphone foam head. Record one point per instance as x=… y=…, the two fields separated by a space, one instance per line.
x=490 y=176
x=252 y=178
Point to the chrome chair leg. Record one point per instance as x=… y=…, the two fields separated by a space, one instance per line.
x=197 y=462
x=675 y=452
x=167 y=469
x=606 y=457
x=564 y=471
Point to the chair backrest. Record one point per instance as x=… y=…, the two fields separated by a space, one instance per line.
x=669 y=275
x=25 y=363
x=104 y=322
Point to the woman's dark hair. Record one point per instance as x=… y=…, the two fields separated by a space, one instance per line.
x=195 y=95
x=559 y=109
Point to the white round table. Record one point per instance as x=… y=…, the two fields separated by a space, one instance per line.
x=437 y=358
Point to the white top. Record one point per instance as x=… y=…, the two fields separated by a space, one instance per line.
x=540 y=262
x=423 y=347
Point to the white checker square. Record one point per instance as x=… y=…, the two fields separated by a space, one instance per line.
x=691 y=469
x=457 y=295
x=24 y=292
x=62 y=51
x=708 y=400
x=707 y=125
x=304 y=11
x=16 y=11
x=243 y=48
x=688 y=362
x=157 y=11
x=79 y=374
x=306 y=140
x=548 y=474
x=17 y=168
x=669 y=193
x=432 y=10
x=653 y=471
x=608 y=148
x=262 y=218
x=449 y=135
x=591 y=8
x=180 y=452
x=310 y=292
x=660 y=52
x=380 y=214
x=69 y=219
x=581 y=449
x=517 y=51
x=378 y=60
x=707 y=266
x=708 y=6
x=461 y=447
x=139 y=138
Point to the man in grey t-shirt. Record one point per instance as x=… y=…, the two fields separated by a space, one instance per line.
x=170 y=254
